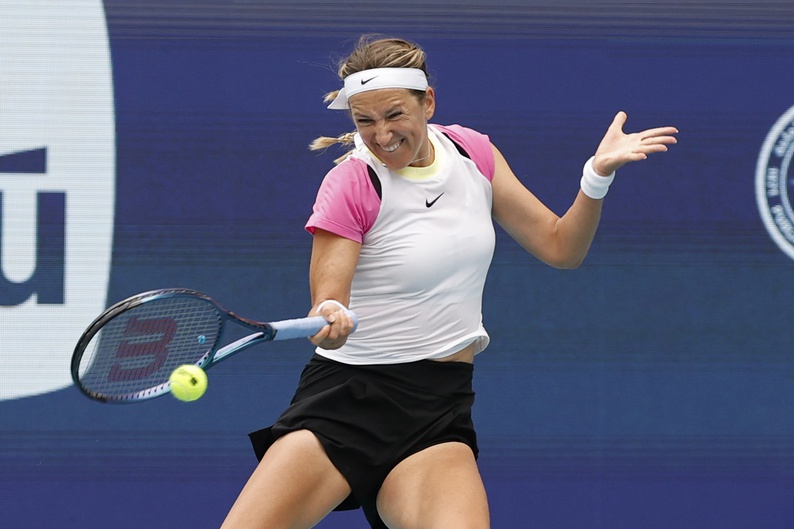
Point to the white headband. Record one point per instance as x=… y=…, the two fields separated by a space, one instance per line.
x=376 y=79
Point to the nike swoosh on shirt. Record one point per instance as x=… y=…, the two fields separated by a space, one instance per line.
x=429 y=203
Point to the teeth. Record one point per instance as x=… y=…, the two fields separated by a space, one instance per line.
x=393 y=147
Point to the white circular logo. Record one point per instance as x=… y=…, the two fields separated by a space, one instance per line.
x=57 y=186
x=772 y=183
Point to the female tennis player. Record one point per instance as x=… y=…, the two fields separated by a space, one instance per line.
x=403 y=234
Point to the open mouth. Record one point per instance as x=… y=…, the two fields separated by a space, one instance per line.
x=392 y=148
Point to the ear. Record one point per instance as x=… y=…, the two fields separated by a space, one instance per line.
x=430 y=103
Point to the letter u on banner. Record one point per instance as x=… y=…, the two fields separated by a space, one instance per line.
x=57 y=183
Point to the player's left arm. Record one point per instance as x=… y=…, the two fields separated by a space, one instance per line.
x=563 y=241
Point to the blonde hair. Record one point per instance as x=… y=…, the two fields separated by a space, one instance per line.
x=372 y=51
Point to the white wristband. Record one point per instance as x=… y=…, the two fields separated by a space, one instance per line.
x=326 y=302
x=593 y=184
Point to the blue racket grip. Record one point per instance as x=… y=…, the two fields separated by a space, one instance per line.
x=304 y=327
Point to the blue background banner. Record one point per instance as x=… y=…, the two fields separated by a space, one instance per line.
x=652 y=387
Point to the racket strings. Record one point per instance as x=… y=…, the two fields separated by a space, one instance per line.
x=137 y=350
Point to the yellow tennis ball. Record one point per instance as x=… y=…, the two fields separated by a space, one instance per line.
x=188 y=383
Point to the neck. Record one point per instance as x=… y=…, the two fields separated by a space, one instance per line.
x=429 y=154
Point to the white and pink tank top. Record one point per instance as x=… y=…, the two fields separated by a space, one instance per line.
x=427 y=240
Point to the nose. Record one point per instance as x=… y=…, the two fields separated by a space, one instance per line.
x=383 y=134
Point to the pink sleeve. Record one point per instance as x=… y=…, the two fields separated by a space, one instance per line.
x=477 y=145
x=347 y=203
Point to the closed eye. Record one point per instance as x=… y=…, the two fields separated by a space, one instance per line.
x=363 y=121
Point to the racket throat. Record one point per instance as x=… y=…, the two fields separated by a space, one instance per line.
x=239 y=345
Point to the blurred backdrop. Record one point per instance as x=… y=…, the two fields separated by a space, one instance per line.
x=151 y=144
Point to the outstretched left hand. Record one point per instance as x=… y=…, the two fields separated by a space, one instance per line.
x=618 y=148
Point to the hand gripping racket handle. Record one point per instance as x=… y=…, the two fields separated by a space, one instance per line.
x=304 y=327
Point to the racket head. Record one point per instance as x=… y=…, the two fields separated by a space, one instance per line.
x=128 y=353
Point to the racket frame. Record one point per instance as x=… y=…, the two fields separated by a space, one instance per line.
x=264 y=332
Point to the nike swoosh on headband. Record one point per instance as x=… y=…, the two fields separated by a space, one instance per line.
x=376 y=79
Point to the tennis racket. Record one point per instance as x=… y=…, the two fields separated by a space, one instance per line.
x=128 y=353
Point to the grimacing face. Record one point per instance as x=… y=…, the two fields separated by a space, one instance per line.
x=392 y=123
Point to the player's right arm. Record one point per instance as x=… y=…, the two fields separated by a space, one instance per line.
x=331 y=269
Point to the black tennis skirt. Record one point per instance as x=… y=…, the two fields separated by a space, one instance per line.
x=369 y=418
